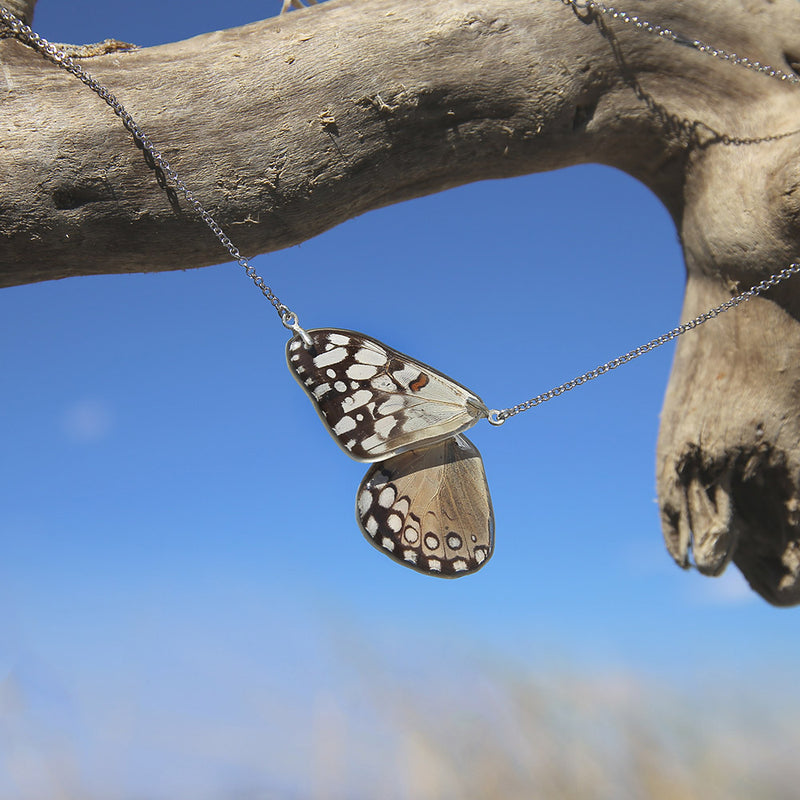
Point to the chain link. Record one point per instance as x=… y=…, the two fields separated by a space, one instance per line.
x=498 y=417
x=666 y=33
x=27 y=36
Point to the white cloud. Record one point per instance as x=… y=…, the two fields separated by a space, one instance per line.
x=88 y=420
x=730 y=588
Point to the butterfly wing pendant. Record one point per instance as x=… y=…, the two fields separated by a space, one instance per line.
x=430 y=509
x=375 y=401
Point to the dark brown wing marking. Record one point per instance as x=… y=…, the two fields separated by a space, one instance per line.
x=429 y=509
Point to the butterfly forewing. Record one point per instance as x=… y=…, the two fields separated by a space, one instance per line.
x=430 y=509
x=375 y=401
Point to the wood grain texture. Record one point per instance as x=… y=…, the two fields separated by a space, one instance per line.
x=289 y=126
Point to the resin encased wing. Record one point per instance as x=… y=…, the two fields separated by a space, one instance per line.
x=429 y=509
x=375 y=401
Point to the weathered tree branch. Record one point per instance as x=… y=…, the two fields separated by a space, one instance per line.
x=287 y=127
x=290 y=126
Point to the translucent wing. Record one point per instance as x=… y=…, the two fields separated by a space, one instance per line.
x=430 y=509
x=375 y=401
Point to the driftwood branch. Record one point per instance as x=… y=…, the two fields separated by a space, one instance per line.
x=289 y=126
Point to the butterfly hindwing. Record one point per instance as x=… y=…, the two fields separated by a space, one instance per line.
x=430 y=508
x=375 y=401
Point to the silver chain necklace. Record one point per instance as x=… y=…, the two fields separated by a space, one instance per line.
x=424 y=501
x=670 y=35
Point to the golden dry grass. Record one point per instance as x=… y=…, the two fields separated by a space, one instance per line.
x=448 y=729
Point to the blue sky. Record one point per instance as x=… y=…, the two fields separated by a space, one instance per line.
x=179 y=549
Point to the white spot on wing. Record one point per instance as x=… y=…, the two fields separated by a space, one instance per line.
x=383 y=382
x=391 y=406
x=394 y=523
x=329 y=357
x=372 y=442
x=344 y=425
x=369 y=356
x=383 y=427
x=361 y=372
x=320 y=390
x=387 y=543
x=410 y=373
x=339 y=339
x=356 y=400
x=364 y=502
x=387 y=496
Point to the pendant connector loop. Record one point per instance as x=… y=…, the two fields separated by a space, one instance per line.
x=291 y=321
x=494 y=417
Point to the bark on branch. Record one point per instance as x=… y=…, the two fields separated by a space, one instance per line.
x=287 y=127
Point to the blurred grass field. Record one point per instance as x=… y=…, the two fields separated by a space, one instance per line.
x=445 y=730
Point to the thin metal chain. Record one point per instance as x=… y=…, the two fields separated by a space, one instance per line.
x=498 y=417
x=666 y=33
x=26 y=35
